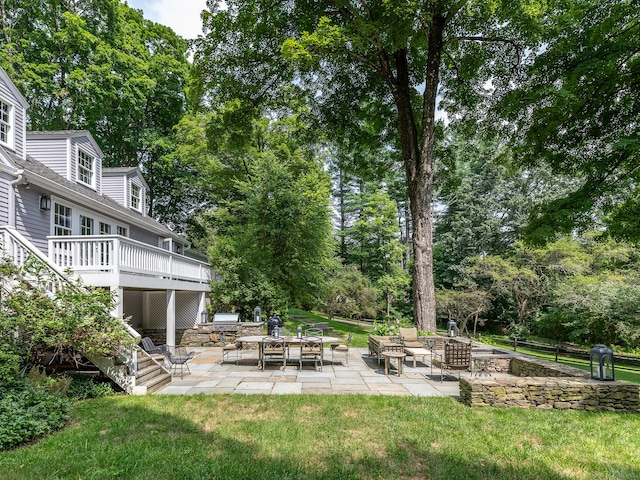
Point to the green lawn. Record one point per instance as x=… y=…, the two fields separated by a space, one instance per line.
x=327 y=437
x=360 y=333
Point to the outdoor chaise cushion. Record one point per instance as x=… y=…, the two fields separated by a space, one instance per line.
x=409 y=337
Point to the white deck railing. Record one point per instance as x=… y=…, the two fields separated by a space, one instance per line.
x=121 y=255
x=19 y=250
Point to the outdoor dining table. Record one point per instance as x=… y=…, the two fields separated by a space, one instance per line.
x=288 y=340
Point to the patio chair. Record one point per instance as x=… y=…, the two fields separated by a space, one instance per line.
x=456 y=358
x=313 y=332
x=230 y=347
x=343 y=348
x=274 y=349
x=409 y=337
x=149 y=347
x=311 y=348
x=179 y=358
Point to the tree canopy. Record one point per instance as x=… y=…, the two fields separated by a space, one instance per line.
x=577 y=109
x=100 y=66
x=373 y=59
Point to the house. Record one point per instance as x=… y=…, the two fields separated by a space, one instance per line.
x=58 y=201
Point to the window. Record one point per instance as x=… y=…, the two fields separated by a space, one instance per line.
x=122 y=231
x=105 y=228
x=136 y=197
x=85 y=168
x=5 y=122
x=86 y=225
x=62 y=220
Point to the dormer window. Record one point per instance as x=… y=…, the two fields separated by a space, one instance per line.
x=136 y=197
x=6 y=121
x=86 y=168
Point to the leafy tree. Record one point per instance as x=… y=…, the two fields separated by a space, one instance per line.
x=484 y=200
x=511 y=279
x=374 y=237
x=594 y=298
x=374 y=59
x=99 y=65
x=350 y=294
x=577 y=108
x=463 y=305
x=271 y=231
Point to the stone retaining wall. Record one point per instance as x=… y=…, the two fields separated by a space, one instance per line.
x=543 y=384
x=546 y=393
x=204 y=335
x=526 y=367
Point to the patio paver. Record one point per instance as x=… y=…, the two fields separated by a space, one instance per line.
x=362 y=376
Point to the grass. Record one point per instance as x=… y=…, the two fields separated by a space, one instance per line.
x=629 y=374
x=359 y=332
x=315 y=437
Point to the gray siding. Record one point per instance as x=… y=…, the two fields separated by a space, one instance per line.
x=114 y=187
x=143 y=236
x=52 y=153
x=4 y=199
x=20 y=122
x=32 y=222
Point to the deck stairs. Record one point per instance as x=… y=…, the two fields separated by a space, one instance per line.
x=122 y=368
x=151 y=373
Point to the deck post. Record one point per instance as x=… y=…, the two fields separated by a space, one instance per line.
x=171 y=319
x=118 y=309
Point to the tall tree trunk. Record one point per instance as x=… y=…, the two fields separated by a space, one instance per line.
x=418 y=158
x=407 y=235
x=343 y=221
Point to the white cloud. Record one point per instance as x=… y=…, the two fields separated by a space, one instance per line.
x=182 y=16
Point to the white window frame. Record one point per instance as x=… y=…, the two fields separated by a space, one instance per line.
x=7 y=123
x=86 y=167
x=135 y=199
x=86 y=225
x=62 y=212
x=105 y=228
x=76 y=218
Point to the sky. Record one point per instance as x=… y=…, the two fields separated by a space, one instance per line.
x=183 y=16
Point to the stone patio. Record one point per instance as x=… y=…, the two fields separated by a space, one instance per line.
x=362 y=376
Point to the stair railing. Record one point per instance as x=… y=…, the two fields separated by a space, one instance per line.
x=20 y=250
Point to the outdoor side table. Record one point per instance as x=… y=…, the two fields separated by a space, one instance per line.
x=417 y=352
x=387 y=359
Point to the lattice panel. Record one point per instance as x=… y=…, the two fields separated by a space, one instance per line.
x=156 y=310
x=187 y=314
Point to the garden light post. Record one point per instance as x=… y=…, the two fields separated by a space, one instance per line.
x=601 y=363
x=452 y=328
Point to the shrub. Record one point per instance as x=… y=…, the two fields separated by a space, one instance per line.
x=83 y=388
x=30 y=410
